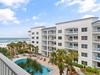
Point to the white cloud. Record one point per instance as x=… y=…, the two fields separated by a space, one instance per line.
x=59 y=2
x=16 y=21
x=84 y=5
x=35 y=17
x=7 y=14
x=13 y=3
x=87 y=16
x=25 y=9
x=40 y=23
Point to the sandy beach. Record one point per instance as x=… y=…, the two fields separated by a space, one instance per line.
x=3 y=44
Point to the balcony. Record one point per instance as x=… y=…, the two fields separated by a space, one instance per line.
x=52 y=33
x=71 y=31
x=52 y=39
x=7 y=67
x=96 y=30
x=97 y=50
x=72 y=47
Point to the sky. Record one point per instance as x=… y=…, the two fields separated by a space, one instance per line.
x=18 y=16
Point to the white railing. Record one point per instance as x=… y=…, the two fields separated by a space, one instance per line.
x=7 y=67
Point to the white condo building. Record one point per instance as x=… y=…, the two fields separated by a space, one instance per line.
x=82 y=35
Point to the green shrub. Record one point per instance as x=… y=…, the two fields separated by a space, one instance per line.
x=94 y=70
x=21 y=51
x=26 y=51
x=89 y=69
x=98 y=71
x=78 y=65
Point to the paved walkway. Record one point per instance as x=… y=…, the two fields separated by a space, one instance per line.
x=79 y=71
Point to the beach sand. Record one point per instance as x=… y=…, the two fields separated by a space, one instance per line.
x=3 y=44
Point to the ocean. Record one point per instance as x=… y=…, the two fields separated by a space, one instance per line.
x=8 y=40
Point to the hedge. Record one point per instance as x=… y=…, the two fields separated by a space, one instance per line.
x=78 y=65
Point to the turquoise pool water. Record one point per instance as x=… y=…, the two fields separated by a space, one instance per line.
x=46 y=70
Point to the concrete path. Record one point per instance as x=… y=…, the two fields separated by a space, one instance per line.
x=79 y=71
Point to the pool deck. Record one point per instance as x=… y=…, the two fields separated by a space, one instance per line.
x=45 y=63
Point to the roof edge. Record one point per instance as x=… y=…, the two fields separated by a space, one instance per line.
x=38 y=27
x=76 y=20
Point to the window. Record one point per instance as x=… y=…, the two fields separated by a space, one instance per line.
x=32 y=33
x=37 y=37
x=84 y=62
x=84 y=54
x=98 y=37
x=37 y=33
x=37 y=42
x=98 y=55
x=98 y=63
x=84 y=37
x=32 y=37
x=59 y=37
x=75 y=44
x=98 y=46
x=59 y=31
x=98 y=29
x=84 y=46
x=59 y=44
x=75 y=37
x=84 y=29
x=75 y=30
x=32 y=41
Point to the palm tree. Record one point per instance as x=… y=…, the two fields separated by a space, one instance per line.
x=31 y=66
x=57 y=58
x=70 y=57
x=10 y=49
x=36 y=50
x=30 y=48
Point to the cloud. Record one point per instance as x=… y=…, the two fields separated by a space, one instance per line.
x=8 y=15
x=16 y=21
x=84 y=5
x=13 y=3
x=35 y=17
x=40 y=23
x=59 y=2
x=87 y=16
x=25 y=9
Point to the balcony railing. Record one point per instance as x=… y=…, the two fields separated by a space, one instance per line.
x=7 y=67
x=96 y=49
x=97 y=40
x=98 y=30
x=72 y=47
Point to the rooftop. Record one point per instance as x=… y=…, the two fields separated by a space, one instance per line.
x=77 y=20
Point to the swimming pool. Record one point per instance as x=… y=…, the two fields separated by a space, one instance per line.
x=46 y=70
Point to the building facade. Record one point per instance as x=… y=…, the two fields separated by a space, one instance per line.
x=82 y=35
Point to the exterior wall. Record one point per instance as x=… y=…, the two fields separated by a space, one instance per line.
x=39 y=35
x=49 y=41
x=76 y=44
x=79 y=24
